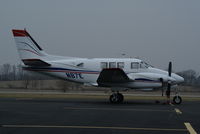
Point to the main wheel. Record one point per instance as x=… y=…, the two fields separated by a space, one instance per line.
x=121 y=97
x=177 y=100
x=116 y=98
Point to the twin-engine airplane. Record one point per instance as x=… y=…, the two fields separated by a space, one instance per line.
x=117 y=73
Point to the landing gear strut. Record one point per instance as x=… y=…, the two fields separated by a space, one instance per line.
x=116 y=98
x=176 y=99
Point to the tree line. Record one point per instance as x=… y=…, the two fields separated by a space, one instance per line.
x=10 y=72
x=191 y=77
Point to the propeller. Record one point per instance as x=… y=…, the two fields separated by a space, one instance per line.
x=170 y=68
x=169 y=83
x=161 y=80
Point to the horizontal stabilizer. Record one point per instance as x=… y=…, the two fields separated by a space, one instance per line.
x=35 y=62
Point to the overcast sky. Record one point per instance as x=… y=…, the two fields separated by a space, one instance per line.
x=157 y=31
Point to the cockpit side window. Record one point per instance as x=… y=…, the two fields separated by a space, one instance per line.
x=143 y=65
x=134 y=65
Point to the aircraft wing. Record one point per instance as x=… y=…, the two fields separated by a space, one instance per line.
x=35 y=62
x=112 y=76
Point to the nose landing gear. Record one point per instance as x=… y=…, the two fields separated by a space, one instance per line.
x=177 y=99
x=116 y=98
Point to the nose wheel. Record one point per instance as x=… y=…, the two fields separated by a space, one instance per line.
x=116 y=98
x=177 y=99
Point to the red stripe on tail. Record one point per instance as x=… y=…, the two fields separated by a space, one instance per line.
x=21 y=33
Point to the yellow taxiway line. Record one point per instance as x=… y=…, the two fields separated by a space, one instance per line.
x=178 y=111
x=93 y=127
x=171 y=104
x=190 y=128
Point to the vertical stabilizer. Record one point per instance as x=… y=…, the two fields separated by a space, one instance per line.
x=27 y=46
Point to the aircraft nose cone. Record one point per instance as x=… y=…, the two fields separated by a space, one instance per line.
x=179 y=79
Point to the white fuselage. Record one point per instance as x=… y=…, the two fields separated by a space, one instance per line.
x=87 y=71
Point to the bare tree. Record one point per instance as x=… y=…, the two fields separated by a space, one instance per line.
x=20 y=72
x=14 y=72
x=190 y=76
x=26 y=80
x=6 y=69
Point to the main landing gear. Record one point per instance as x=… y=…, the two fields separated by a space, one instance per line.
x=116 y=98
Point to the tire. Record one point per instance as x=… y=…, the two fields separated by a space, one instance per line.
x=177 y=100
x=116 y=98
x=121 y=98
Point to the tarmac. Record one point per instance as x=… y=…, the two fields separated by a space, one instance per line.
x=78 y=114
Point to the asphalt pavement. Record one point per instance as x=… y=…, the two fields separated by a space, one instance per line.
x=90 y=115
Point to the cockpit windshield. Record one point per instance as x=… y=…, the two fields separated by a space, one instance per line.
x=144 y=65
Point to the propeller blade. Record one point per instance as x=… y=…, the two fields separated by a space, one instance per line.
x=161 y=80
x=170 y=68
x=168 y=90
x=168 y=86
x=169 y=73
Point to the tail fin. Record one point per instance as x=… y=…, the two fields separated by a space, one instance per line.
x=27 y=46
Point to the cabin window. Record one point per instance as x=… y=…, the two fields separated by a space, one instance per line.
x=120 y=65
x=80 y=65
x=112 y=64
x=134 y=65
x=104 y=65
